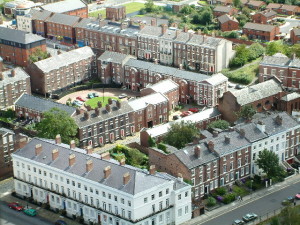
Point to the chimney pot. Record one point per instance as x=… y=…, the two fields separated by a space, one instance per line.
x=278 y=120
x=97 y=111
x=227 y=139
x=86 y=115
x=185 y=29
x=197 y=151
x=38 y=149
x=105 y=156
x=118 y=103
x=242 y=132
x=58 y=139
x=99 y=104
x=164 y=28
x=78 y=111
x=13 y=72
x=72 y=159
x=107 y=172
x=107 y=107
x=126 y=178
x=72 y=144
x=122 y=162
x=89 y=150
x=152 y=169
x=211 y=146
x=153 y=22
x=141 y=25
x=54 y=154
x=89 y=165
x=215 y=133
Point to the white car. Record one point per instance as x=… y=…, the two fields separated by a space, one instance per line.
x=122 y=96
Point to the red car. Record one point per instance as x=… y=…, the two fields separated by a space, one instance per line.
x=15 y=206
x=297 y=196
x=80 y=99
x=194 y=110
x=186 y=113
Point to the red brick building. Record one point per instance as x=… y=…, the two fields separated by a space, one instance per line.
x=228 y=23
x=16 y=46
x=69 y=7
x=263 y=96
x=222 y=10
x=220 y=2
x=290 y=103
x=33 y=108
x=295 y=35
x=253 y=4
x=116 y=13
x=264 y=32
x=38 y=18
x=284 y=9
x=283 y=68
x=264 y=17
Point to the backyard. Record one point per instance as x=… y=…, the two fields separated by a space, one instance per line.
x=94 y=101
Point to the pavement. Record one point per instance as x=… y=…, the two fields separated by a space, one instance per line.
x=265 y=203
x=290 y=23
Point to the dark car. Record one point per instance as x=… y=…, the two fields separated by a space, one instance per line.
x=60 y=222
x=238 y=222
x=249 y=217
x=15 y=206
x=176 y=117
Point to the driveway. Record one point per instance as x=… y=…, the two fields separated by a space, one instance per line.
x=290 y=23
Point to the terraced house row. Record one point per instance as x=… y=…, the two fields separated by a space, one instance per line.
x=167 y=45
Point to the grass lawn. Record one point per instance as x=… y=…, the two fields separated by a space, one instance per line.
x=202 y=3
x=93 y=102
x=130 y=8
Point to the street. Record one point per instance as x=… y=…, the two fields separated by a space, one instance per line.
x=290 y=23
x=266 y=203
x=9 y=216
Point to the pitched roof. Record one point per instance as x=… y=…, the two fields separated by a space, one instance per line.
x=276 y=59
x=290 y=97
x=64 y=6
x=37 y=14
x=42 y=105
x=290 y=7
x=64 y=19
x=255 y=3
x=143 y=102
x=20 y=74
x=114 y=57
x=296 y=31
x=252 y=133
x=216 y=79
x=4 y=131
x=259 y=91
x=64 y=59
x=164 y=86
x=139 y=180
x=151 y=30
x=19 y=36
x=268 y=13
x=225 y=9
x=258 y=26
x=225 y=18
x=273 y=6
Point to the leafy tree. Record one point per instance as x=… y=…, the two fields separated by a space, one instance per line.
x=186 y=10
x=38 y=55
x=221 y=124
x=274 y=47
x=205 y=30
x=246 y=11
x=295 y=49
x=268 y=161
x=255 y=50
x=204 y=17
x=230 y=34
x=149 y=6
x=179 y=134
x=246 y=112
x=274 y=221
x=290 y=216
x=57 y=121
x=151 y=142
x=243 y=19
x=241 y=57
x=170 y=21
x=237 y=3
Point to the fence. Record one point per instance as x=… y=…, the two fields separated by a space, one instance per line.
x=266 y=216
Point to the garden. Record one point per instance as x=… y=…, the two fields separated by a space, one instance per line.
x=93 y=102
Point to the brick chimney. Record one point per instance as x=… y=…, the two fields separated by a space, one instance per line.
x=153 y=22
x=152 y=169
x=107 y=107
x=215 y=133
x=54 y=154
x=22 y=142
x=211 y=146
x=97 y=111
x=185 y=29
x=278 y=120
x=164 y=28
x=58 y=139
x=99 y=104
x=72 y=159
x=89 y=150
x=72 y=144
x=131 y=22
x=78 y=111
x=107 y=172
x=242 y=133
x=141 y=25
x=38 y=149
x=124 y=26
x=118 y=103
x=180 y=178
x=227 y=139
x=89 y=165
x=177 y=32
x=105 y=156
x=126 y=178
x=197 y=151
x=86 y=115
x=122 y=162
x=110 y=101
x=1 y=76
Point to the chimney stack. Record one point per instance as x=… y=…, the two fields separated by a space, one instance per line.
x=124 y=26
x=190 y=35
x=110 y=101
x=102 y=23
x=97 y=111
x=58 y=139
x=180 y=178
x=72 y=159
x=86 y=115
x=99 y=104
x=242 y=133
x=278 y=120
x=38 y=149
x=211 y=146
x=126 y=178
x=22 y=142
x=122 y=162
x=215 y=133
x=107 y=172
x=13 y=72
x=107 y=107
x=294 y=56
x=152 y=169
x=105 y=156
x=185 y=29
x=78 y=111
x=180 y=66
x=89 y=165
x=118 y=103
x=131 y=22
x=141 y=25
x=164 y=28
x=89 y=150
x=72 y=144
x=197 y=151
x=153 y=22
x=227 y=139
x=1 y=76
x=54 y=154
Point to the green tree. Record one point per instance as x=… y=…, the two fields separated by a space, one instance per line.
x=241 y=56
x=170 y=21
x=290 y=216
x=57 y=121
x=38 y=55
x=237 y=3
x=221 y=124
x=246 y=11
x=149 y=6
x=151 y=142
x=246 y=112
x=274 y=221
x=179 y=134
x=255 y=50
x=243 y=19
x=295 y=49
x=274 y=47
x=268 y=161
x=204 y=17
x=186 y=10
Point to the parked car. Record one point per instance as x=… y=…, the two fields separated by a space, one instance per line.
x=80 y=99
x=90 y=95
x=122 y=96
x=60 y=222
x=239 y=86
x=186 y=113
x=15 y=206
x=95 y=94
x=230 y=85
x=297 y=196
x=176 y=117
x=78 y=103
x=194 y=110
x=249 y=217
x=238 y=222
x=30 y=212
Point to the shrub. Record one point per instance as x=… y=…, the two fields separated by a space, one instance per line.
x=228 y=198
x=238 y=191
x=163 y=147
x=221 y=124
x=151 y=142
x=220 y=191
x=220 y=198
x=211 y=202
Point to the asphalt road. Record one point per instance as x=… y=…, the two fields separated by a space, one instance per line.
x=9 y=216
x=262 y=206
x=290 y=23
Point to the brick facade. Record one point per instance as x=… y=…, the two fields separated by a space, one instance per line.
x=264 y=17
x=261 y=31
x=284 y=9
x=116 y=13
x=295 y=35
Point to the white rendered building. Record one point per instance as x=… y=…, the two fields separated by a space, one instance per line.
x=98 y=188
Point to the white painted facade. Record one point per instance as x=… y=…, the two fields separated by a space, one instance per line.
x=24 y=23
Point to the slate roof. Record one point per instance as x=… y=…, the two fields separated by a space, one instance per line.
x=216 y=79
x=151 y=30
x=37 y=14
x=273 y=6
x=203 y=40
x=220 y=8
x=41 y=105
x=259 y=91
x=104 y=115
x=255 y=3
x=64 y=59
x=83 y=22
x=114 y=57
x=252 y=133
x=259 y=26
x=164 y=86
x=268 y=13
x=290 y=97
x=141 y=103
x=64 y=6
x=4 y=131
x=277 y=59
x=8 y=79
x=295 y=63
x=19 y=36
x=225 y=18
x=296 y=31
x=139 y=180
x=64 y=19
